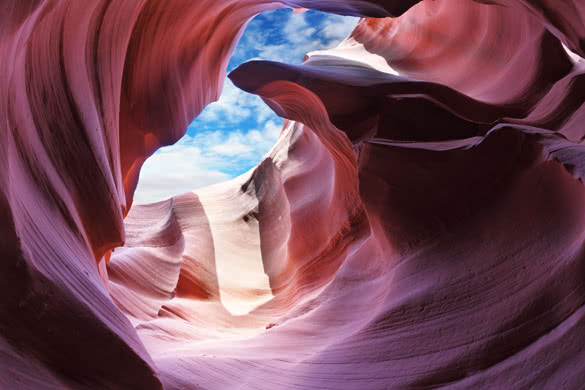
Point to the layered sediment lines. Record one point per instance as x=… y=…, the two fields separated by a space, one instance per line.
x=420 y=222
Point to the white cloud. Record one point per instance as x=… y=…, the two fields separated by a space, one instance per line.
x=335 y=28
x=232 y=147
x=297 y=30
x=302 y=38
x=175 y=170
x=235 y=106
x=198 y=161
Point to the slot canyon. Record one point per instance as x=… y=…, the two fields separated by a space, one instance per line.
x=419 y=223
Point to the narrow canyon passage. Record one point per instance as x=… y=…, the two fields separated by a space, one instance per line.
x=238 y=259
x=417 y=222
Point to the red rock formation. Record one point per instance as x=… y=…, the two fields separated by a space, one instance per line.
x=419 y=223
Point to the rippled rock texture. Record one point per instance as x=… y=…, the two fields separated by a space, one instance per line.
x=419 y=224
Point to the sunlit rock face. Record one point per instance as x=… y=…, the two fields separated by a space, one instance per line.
x=419 y=223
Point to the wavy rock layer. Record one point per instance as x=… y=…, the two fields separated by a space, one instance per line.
x=419 y=223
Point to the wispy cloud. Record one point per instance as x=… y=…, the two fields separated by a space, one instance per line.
x=235 y=106
x=175 y=170
x=290 y=36
x=203 y=159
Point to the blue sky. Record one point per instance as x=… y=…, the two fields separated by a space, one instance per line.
x=233 y=134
